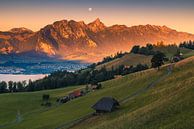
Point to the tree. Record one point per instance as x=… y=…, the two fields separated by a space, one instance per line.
x=160 y=44
x=45 y=98
x=30 y=86
x=135 y=49
x=144 y=51
x=20 y=86
x=15 y=87
x=24 y=83
x=99 y=86
x=10 y=86
x=3 y=87
x=149 y=46
x=158 y=60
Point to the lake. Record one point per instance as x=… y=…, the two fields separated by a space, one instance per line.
x=20 y=77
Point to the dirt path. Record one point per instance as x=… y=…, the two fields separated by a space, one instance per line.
x=17 y=120
x=151 y=85
x=20 y=118
x=141 y=91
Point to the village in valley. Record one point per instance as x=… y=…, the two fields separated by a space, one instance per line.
x=96 y=64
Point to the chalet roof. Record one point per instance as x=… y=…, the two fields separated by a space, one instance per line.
x=106 y=104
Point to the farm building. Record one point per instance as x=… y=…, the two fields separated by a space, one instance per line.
x=75 y=94
x=63 y=99
x=118 y=76
x=106 y=104
x=94 y=86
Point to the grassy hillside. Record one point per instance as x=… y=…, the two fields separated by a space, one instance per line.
x=187 y=52
x=168 y=104
x=170 y=51
x=128 y=60
x=134 y=59
x=28 y=104
x=33 y=114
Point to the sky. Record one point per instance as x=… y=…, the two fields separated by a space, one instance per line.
x=35 y=14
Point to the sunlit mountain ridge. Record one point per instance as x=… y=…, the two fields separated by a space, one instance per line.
x=72 y=40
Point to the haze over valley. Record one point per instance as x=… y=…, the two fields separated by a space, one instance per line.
x=96 y=64
x=72 y=40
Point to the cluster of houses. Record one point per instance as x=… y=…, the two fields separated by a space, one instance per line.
x=70 y=96
x=105 y=104
x=79 y=93
x=177 y=58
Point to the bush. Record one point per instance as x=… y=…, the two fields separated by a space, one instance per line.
x=45 y=97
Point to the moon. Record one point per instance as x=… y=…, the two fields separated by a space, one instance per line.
x=89 y=9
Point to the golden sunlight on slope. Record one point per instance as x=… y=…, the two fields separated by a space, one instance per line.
x=6 y=50
x=44 y=47
x=91 y=44
x=185 y=61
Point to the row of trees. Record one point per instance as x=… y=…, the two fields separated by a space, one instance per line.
x=12 y=86
x=187 y=44
x=109 y=58
x=147 y=50
x=158 y=58
x=87 y=76
x=64 y=78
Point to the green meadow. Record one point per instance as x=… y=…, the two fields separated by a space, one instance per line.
x=135 y=59
x=168 y=104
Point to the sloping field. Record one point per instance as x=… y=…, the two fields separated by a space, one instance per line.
x=168 y=105
x=128 y=60
x=134 y=59
x=163 y=100
x=36 y=117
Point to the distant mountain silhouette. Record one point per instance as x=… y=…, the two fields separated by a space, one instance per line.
x=91 y=42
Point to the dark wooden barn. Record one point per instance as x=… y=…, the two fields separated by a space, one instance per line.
x=106 y=104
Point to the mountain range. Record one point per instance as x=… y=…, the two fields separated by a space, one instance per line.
x=72 y=40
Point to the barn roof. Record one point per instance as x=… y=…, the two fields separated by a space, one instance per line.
x=106 y=104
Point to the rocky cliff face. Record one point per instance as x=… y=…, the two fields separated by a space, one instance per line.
x=88 y=42
x=14 y=40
